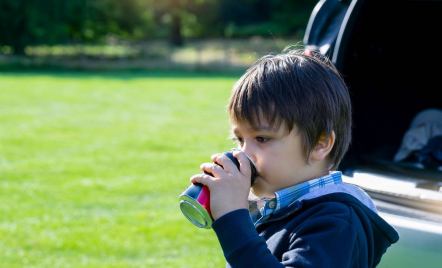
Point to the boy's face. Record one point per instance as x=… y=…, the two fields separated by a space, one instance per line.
x=278 y=157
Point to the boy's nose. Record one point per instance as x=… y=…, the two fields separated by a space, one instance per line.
x=248 y=150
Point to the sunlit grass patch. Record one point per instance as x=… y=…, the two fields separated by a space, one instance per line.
x=91 y=166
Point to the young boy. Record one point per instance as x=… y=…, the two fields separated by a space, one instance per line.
x=291 y=114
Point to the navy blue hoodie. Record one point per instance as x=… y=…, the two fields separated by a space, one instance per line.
x=330 y=227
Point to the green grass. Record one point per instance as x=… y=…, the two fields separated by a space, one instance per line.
x=91 y=166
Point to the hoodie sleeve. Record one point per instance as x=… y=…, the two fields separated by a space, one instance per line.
x=240 y=242
x=323 y=241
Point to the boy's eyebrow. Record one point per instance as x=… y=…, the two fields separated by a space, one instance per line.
x=263 y=128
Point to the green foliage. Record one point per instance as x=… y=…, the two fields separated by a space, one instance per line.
x=262 y=29
x=186 y=18
x=46 y=22
x=245 y=18
x=31 y=22
x=25 y=23
x=91 y=166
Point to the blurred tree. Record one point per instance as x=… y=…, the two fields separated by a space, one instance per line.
x=127 y=19
x=30 y=22
x=292 y=16
x=187 y=18
x=257 y=17
x=24 y=22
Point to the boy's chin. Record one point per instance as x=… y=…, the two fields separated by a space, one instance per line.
x=261 y=189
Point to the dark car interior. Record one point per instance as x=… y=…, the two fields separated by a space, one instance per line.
x=387 y=52
x=391 y=81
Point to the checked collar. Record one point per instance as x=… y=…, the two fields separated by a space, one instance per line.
x=260 y=209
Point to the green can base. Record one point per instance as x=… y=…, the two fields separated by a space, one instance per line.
x=195 y=212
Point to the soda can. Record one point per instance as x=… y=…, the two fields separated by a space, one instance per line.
x=195 y=200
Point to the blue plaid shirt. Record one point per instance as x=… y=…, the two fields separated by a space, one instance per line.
x=261 y=208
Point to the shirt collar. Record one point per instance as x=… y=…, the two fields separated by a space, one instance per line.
x=288 y=195
x=263 y=207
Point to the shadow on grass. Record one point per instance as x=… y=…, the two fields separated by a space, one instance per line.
x=125 y=74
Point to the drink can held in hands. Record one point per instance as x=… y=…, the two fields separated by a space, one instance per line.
x=195 y=200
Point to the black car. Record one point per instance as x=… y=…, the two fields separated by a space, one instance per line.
x=387 y=52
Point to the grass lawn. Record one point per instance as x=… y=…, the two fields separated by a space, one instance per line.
x=91 y=166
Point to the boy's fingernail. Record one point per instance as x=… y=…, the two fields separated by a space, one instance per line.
x=235 y=153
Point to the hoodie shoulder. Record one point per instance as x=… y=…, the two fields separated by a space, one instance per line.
x=375 y=235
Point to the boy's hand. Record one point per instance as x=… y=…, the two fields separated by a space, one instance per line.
x=229 y=187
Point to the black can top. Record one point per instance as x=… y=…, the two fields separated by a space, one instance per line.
x=253 y=168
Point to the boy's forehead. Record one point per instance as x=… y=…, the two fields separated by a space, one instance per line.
x=255 y=126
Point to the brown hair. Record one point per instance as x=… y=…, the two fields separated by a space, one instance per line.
x=296 y=87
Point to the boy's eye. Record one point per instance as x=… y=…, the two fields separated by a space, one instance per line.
x=238 y=140
x=261 y=139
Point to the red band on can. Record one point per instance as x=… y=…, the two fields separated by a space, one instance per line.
x=204 y=199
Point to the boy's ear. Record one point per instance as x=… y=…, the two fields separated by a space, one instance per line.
x=323 y=147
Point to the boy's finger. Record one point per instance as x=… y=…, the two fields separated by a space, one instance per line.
x=213 y=157
x=225 y=162
x=214 y=169
x=203 y=179
x=244 y=163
